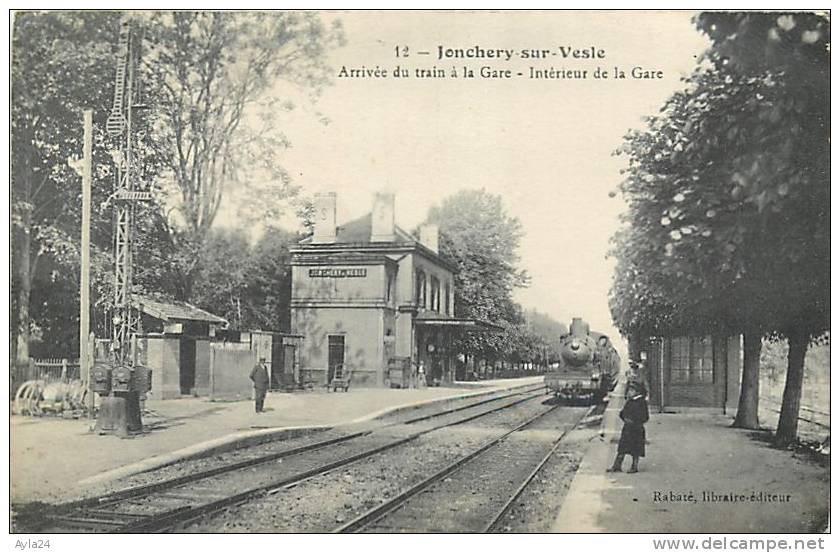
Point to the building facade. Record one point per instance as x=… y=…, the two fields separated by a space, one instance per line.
x=693 y=371
x=367 y=295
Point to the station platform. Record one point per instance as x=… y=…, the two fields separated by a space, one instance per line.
x=54 y=459
x=699 y=476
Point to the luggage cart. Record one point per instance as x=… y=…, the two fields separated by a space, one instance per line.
x=341 y=379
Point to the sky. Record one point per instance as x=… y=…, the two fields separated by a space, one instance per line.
x=544 y=145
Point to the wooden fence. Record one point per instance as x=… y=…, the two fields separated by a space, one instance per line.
x=49 y=370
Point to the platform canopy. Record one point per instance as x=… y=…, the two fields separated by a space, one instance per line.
x=430 y=319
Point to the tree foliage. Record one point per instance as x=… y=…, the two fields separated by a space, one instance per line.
x=212 y=126
x=60 y=65
x=249 y=285
x=727 y=227
x=547 y=332
x=211 y=81
x=482 y=239
x=727 y=191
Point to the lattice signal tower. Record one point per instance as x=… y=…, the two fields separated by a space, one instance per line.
x=119 y=126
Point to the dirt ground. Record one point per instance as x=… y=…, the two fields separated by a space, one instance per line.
x=51 y=458
x=699 y=475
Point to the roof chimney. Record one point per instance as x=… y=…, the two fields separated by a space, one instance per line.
x=429 y=236
x=324 y=232
x=382 y=218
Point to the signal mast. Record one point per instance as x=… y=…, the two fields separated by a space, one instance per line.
x=119 y=126
x=121 y=383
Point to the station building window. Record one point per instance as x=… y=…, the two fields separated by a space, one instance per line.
x=420 y=293
x=389 y=287
x=434 y=303
x=446 y=298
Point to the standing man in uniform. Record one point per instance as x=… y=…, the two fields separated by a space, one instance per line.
x=259 y=376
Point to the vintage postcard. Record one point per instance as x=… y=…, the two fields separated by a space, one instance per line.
x=530 y=272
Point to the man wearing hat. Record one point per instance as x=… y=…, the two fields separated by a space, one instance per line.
x=259 y=376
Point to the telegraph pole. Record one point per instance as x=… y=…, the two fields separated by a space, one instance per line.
x=85 y=356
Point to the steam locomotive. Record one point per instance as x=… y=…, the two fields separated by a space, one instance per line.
x=588 y=367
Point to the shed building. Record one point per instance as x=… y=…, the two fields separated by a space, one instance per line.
x=693 y=371
x=174 y=341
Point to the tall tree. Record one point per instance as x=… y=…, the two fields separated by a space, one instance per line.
x=211 y=80
x=248 y=284
x=727 y=226
x=221 y=285
x=211 y=94
x=271 y=282
x=61 y=63
x=787 y=170
x=693 y=244
x=482 y=239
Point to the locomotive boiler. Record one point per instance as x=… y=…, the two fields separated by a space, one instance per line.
x=588 y=364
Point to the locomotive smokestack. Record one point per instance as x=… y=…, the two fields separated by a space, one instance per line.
x=579 y=327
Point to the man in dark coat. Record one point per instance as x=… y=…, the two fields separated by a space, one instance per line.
x=635 y=415
x=259 y=376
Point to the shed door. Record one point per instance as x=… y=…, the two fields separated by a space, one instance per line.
x=289 y=359
x=276 y=363
x=187 y=366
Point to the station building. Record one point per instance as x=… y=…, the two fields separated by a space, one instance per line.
x=371 y=298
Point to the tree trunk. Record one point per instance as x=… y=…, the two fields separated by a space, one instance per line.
x=747 y=416
x=22 y=350
x=24 y=268
x=24 y=176
x=789 y=415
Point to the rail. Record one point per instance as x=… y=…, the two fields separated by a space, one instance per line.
x=800 y=417
x=533 y=474
x=384 y=509
x=89 y=514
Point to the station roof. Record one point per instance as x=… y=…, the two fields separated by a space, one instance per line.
x=174 y=310
x=357 y=233
x=359 y=230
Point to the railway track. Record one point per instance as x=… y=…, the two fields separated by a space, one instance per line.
x=458 y=498
x=825 y=416
x=170 y=503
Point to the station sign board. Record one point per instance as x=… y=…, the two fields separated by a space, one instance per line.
x=335 y=272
